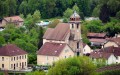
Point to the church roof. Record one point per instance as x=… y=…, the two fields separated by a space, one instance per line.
x=59 y=33
x=51 y=49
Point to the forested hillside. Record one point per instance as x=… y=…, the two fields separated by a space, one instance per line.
x=55 y=8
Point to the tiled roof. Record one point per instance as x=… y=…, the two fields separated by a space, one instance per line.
x=11 y=50
x=13 y=19
x=98 y=54
x=97 y=40
x=106 y=52
x=51 y=49
x=98 y=35
x=116 y=40
x=108 y=68
x=112 y=49
x=59 y=33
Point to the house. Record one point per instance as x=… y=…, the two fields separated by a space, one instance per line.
x=86 y=49
x=50 y=52
x=12 y=58
x=97 y=39
x=108 y=51
x=109 y=58
x=16 y=20
x=113 y=42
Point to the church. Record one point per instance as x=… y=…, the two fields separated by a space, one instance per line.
x=60 y=42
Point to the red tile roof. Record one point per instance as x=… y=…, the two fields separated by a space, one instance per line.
x=108 y=68
x=116 y=40
x=11 y=50
x=13 y=19
x=97 y=35
x=98 y=54
x=59 y=33
x=106 y=52
x=51 y=49
x=97 y=40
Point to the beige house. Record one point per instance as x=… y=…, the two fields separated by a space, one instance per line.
x=16 y=20
x=113 y=42
x=50 y=52
x=86 y=49
x=12 y=58
x=111 y=54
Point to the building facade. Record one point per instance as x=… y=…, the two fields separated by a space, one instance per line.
x=16 y=20
x=12 y=58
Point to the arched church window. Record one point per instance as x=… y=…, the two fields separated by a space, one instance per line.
x=72 y=26
x=77 y=26
x=77 y=45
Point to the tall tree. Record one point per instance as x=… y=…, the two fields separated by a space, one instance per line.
x=104 y=13
x=11 y=7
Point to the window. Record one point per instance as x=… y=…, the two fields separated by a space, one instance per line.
x=53 y=58
x=11 y=58
x=23 y=57
x=65 y=56
x=72 y=25
x=77 y=45
x=11 y=65
x=2 y=58
x=20 y=57
x=2 y=65
x=17 y=65
x=14 y=58
x=25 y=64
x=47 y=58
x=17 y=57
x=20 y=64
x=77 y=26
x=66 y=51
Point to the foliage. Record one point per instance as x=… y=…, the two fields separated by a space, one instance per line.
x=1 y=73
x=54 y=23
x=73 y=66
x=104 y=14
x=68 y=13
x=36 y=73
x=118 y=15
x=2 y=40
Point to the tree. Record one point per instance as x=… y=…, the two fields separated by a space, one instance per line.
x=36 y=73
x=54 y=23
x=75 y=8
x=118 y=15
x=68 y=13
x=23 y=8
x=11 y=7
x=96 y=11
x=104 y=13
x=73 y=66
x=36 y=16
x=2 y=40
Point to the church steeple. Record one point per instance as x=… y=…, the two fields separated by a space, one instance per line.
x=75 y=17
x=75 y=33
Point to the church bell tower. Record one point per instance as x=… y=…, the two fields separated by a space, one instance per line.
x=75 y=34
